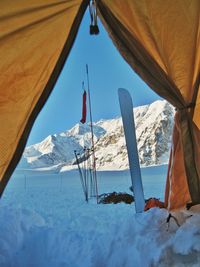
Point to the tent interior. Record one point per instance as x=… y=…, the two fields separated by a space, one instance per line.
x=160 y=40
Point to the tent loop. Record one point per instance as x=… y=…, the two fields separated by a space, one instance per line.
x=94 y=29
x=175 y=220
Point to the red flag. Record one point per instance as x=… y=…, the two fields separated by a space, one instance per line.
x=84 y=109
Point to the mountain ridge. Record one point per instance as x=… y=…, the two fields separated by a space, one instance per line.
x=153 y=123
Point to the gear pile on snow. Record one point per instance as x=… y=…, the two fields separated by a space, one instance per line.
x=116 y=198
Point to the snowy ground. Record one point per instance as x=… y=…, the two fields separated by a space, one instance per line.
x=44 y=222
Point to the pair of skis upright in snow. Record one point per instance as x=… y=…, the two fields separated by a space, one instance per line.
x=126 y=107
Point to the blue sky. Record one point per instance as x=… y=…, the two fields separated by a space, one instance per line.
x=108 y=71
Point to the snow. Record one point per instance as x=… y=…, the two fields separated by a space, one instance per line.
x=153 y=129
x=44 y=222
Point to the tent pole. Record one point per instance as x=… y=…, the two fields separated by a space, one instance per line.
x=92 y=133
x=81 y=175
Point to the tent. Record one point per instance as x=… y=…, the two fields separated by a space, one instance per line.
x=159 y=39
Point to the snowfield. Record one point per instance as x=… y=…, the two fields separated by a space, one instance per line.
x=44 y=222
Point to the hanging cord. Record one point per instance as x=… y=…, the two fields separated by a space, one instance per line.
x=94 y=29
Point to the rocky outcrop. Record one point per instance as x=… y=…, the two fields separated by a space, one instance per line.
x=153 y=122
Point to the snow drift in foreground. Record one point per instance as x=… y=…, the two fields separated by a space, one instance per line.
x=121 y=238
x=44 y=222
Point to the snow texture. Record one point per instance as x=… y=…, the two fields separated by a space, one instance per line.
x=153 y=122
x=45 y=223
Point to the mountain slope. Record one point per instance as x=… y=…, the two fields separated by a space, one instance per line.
x=153 y=130
x=153 y=122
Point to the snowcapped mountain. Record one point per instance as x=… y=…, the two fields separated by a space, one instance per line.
x=153 y=122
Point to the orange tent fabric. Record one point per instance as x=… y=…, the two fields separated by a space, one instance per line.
x=176 y=189
x=161 y=42
x=159 y=39
x=35 y=39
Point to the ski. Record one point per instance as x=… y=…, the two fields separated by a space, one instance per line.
x=126 y=107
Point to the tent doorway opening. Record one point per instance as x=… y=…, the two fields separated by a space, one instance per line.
x=59 y=120
x=158 y=58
